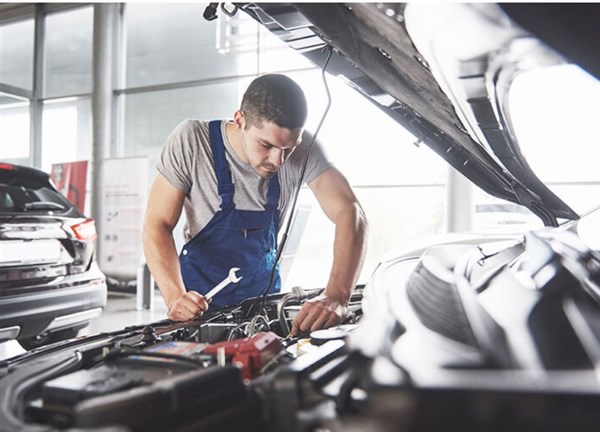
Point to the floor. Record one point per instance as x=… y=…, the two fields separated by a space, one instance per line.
x=121 y=310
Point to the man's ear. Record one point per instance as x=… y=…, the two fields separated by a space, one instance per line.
x=239 y=120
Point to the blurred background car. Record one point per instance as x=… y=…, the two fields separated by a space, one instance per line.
x=50 y=284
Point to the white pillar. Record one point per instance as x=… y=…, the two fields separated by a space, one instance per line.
x=459 y=202
x=105 y=16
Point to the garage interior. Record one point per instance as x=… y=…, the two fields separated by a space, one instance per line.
x=91 y=82
x=89 y=93
x=105 y=83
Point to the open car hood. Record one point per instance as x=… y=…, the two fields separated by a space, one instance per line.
x=453 y=100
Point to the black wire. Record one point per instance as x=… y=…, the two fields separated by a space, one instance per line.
x=126 y=352
x=302 y=172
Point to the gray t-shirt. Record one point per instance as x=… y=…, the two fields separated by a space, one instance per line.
x=186 y=162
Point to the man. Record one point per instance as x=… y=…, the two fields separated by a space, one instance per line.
x=235 y=180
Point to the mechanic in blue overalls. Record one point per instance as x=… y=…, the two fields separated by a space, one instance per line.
x=235 y=180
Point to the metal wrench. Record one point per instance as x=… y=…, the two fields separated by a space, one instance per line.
x=231 y=278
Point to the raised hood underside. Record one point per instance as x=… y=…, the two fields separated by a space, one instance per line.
x=462 y=118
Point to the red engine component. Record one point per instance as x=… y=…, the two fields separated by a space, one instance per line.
x=250 y=354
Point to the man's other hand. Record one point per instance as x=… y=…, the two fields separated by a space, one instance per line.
x=317 y=313
x=187 y=307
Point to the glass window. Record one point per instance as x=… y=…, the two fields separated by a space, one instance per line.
x=497 y=216
x=23 y=196
x=555 y=114
x=366 y=144
x=16 y=54
x=14 y=128
x=396 y=215
x=170 y=43
x=68 y=51
x=66 y=132
x=150 y=117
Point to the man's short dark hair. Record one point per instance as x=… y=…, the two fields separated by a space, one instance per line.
x=274 y=98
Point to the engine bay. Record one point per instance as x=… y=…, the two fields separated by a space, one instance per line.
x=490 y=336
x=168 y=375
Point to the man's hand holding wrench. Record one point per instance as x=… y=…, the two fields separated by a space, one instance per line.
x=191 y=304
x=231 y=278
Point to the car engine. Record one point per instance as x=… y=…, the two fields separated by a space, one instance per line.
x=490 y=336
x=167 y=375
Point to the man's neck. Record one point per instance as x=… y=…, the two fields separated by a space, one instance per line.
x=235 y=139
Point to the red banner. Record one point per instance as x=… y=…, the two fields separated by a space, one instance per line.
x=70 y=179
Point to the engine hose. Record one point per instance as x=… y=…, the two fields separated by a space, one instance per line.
x=297 y=294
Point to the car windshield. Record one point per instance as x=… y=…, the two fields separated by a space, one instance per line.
x=21 y=199
x=554 y=112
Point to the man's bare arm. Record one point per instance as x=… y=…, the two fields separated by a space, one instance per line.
x=341 y=206
x=165 y=204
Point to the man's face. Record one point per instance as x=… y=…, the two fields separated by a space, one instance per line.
x=267 y=146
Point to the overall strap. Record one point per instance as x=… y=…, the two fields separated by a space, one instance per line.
x=273 y=193
x=224 y=183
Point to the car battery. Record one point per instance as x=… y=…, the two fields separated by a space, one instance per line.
x=169 y=381
x=176 y=348
x=249 y=354
x=119 y=374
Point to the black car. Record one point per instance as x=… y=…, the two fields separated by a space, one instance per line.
x=50 y=284
x=472 y=334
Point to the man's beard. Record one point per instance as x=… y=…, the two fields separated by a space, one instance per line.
x=266 y=170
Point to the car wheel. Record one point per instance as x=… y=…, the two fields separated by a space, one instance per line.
x=48 y=338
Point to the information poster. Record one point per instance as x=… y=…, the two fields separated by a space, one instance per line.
x=124 y=195
x=70 y=179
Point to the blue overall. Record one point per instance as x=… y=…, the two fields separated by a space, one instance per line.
x=233 y=238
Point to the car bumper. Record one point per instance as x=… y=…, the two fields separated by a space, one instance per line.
x=29 y=314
